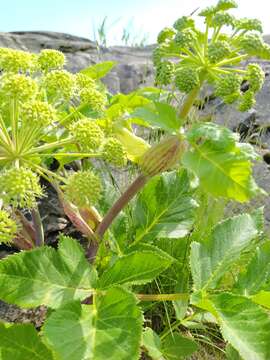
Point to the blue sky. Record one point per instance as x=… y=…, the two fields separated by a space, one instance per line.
x=80 y=17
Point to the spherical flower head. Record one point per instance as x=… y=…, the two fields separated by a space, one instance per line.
x=208 y=12
x=50 y=59
x=249 y=25
x=224 y=5
x=94 y=98
x=252 y=44
x=164 y=73
x=186 y=79
x=255 y=77
x=38 y=113
x=228 y=87
x=19 y=187
x=223 y=18
x=185 y=38
x=84 y=81
x=59 y=83
x=218 y=51
x=184 y=22
x=165 y=34
x=18 y=86
x=114 y=153
x=15 y=61
x=88 y=134
x=8 y=228
x=247 y=101
x=83 y=188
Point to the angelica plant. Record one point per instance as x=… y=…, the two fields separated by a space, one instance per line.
x=169 y=245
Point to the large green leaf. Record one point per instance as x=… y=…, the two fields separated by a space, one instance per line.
x=176 y=347
x=21 y=342
x=222 y=165
x=46 y=276
x=212 y=258
x=135 y=268
x=99 y=70
x=244 y=324
x=257 y=272
x=262 y=298
x=109 y=329
x=165 y=208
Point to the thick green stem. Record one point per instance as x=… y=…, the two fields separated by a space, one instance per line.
x=39 y=238
x=162 y=297
x=186 y=107
x=50 y=146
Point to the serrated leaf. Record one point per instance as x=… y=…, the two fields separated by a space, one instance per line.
x=110 y=329
x=223 y=167
x=99 y=70
x=45 y=276
x=160 y=115
x=152 y=344
x=134 y=268
x=165 y=207
x=21 y=342
x=212 y=258
x=176 y=347
x=257 y=272
x=262 y=298
x=244 y=324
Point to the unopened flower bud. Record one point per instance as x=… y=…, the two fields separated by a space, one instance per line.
x=8 y=228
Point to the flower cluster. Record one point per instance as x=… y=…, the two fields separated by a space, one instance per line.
x=50 y=59
x=38 y=113
x=19 y=187
x=83 y=188
x=114 y=153
x=187 y=58
x=8 y=228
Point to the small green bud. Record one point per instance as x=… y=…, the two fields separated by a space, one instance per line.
x=83 y=188
x=38 y=113
x=19 y=187
x=165 y=34
x=114 y=152
x=162 y=156
x=94 y=98
x=50 y=59
x=186 y=79
x=15 y=61
x=87 y=134
x=249 y=25
x=247 y=101
x=208 y=12
x=59 y=83
x=164 y=73
x=218 y=51
x=18 y=86
x=255 y=77
x=224 y=5
x=84 y=81
x=8 y=228
x=158 y=53
x=228 y=87
x=185 y=38
x=184 y=22
x=223 y=18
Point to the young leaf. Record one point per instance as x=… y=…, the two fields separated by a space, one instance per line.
x=224 y=168
x=21 y=342
x=160 y=115
x=109 y=329
x=244 y=324
x=152 y=343
x=100 y=70
x=165 y=208
x=257 y=273
x=46 y=276
x=177 y=347
x=134 y=268
x=212 y=258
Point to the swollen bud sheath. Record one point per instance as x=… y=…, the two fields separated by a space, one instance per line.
x=162 y=156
